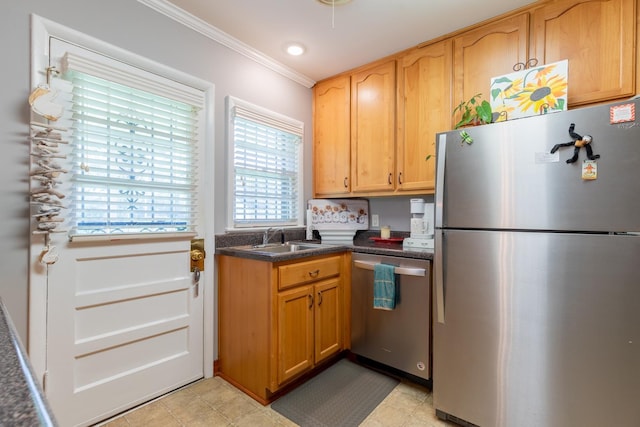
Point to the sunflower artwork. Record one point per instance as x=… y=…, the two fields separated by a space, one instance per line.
x=532 y=91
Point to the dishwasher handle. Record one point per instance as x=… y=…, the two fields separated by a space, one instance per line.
x=405 y=271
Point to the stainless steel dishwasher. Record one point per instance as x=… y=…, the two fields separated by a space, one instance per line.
x=399 y=338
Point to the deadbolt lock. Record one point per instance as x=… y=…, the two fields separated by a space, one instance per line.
x=197 y=254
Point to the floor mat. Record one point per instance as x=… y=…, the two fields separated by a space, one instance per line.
x=342 y=395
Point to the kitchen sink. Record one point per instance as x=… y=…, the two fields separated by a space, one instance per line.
x=281 y=248
x=280 y=251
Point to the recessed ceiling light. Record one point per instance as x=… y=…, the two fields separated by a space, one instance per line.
x=295 y=49
x=334 y=2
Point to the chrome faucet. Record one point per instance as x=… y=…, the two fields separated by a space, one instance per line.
x=266 y=236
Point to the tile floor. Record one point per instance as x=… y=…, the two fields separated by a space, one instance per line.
x=214 y=402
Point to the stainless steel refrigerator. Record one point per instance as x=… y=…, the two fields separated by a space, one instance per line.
x=537 y=271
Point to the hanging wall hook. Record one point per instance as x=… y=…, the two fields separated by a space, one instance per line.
x=51 y=71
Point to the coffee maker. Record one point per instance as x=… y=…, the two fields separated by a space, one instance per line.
x=422 y=217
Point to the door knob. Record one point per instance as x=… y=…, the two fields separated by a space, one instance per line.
x=197 y=255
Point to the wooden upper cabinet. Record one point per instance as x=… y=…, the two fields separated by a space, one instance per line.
x=373 y=108
x=597 y=37
x=488 y=51
x=332 y=136
x=424 y=108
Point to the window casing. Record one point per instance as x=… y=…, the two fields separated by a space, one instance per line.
x=265 y=161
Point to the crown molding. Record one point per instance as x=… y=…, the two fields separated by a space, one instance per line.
x=170 y=10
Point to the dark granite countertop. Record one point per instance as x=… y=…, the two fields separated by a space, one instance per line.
x=362 y=243
x=21 y=400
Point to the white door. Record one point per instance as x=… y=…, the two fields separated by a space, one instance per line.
x=124 y=325
x=124 y=317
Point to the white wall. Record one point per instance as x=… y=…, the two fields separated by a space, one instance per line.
x=395 y=211
x=134 y=27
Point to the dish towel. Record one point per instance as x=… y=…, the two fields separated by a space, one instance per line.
x=384 y=286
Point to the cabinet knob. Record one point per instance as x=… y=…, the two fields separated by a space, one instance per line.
x=319 y=297
x=314 y=273
x=400 y=178
x=346 y=182
x=390 y=181
x=310 y=301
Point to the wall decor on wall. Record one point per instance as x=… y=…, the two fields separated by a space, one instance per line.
x=45 y=176
x=46 y=170
x=531 y=90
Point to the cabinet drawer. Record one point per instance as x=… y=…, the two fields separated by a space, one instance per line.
x=308 y=271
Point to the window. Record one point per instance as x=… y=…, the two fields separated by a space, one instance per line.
x=265 y=183
x=134 y=153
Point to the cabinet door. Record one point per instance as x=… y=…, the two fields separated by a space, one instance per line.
x=373 y=107
x=424 y=108
x=488 y=51
x=332 y=137
x=597 y=37
x=295 y=332
x=328 y=315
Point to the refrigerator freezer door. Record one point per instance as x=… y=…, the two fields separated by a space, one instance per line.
x=539 y=329
x=507 y=178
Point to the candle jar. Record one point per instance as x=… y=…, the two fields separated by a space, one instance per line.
x=385 y=232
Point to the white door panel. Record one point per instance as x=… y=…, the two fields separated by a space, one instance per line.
x=125 y=325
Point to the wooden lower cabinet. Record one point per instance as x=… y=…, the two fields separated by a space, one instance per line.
x=295 y=332
x=278 y=321
x=309 y=327
x=328 y=330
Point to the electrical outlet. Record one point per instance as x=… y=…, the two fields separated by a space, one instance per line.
x=375 y=220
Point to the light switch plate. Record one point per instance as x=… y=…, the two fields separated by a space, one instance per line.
x=375 y=220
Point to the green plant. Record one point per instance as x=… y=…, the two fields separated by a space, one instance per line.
x=475 y=111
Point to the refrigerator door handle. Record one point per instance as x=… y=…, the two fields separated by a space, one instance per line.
x=440 y=159
x=439 y=276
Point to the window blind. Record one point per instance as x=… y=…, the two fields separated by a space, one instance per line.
x=266 y=168
x=134 y=157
